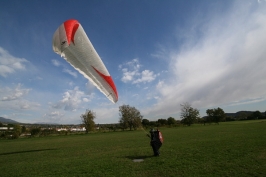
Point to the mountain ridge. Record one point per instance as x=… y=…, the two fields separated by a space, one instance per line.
x=4 y=120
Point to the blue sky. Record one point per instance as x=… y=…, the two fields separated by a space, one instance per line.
x=160 y=54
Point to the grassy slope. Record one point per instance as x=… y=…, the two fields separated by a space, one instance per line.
x=228 y=149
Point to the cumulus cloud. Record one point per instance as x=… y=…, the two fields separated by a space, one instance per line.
x=146 y=76
x=54 y=114
x=52 y=117
x=10 y=64
x=85 y=99
x=27 y=105
x=132 y=74
x=72 y=99
x=15 y=98
x=225 y=65
x=14 y=94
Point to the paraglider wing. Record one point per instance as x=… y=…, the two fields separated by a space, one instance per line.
x=71 y=42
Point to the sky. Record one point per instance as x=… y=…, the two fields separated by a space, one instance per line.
x=160 y=54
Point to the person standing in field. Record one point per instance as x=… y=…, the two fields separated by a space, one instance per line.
x=156 y=141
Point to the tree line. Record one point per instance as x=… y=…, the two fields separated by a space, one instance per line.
x=131 y=118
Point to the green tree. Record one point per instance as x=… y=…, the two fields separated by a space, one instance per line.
x=129 y=117
x=242 y=115
x=145 y=123
x=35 y=131
x=87 y=120
x=188 y=114
x=162 y=122
x=23 y=129
x=171 y=121
x=215 y=115
x=16 y=131
x=256 y=115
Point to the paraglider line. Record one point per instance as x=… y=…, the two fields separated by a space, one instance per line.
x=144 y=130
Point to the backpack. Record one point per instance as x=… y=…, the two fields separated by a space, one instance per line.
x=159 y=135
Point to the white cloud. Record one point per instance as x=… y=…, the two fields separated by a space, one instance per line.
x=66 y=70
x=146 y=76
x=25 y=104
x=74 y=74
x=14 y=94
x=10 y=64
x=160 y=85
x=242 y=102
x=104 y=114
x=128 y=75
x=15 y=98
x=132 y=74
x=86 y=100
x=56 y=63
x=260 y=1
x=71 y=100
x=52 y=117
x=55 y=114
x=224 y=66
x=90 y=87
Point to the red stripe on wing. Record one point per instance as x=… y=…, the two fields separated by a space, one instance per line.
x=71 y=27
x=109 y=80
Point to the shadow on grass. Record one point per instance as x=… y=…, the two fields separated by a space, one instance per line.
x=139 y=157
x=18 y=152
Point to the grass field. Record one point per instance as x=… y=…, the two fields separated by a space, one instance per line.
x=229 y=149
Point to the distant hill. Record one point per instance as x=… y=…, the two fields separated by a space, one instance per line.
x=45 y=123
x=8 y=121
x=239 y=113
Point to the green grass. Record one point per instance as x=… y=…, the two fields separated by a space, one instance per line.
x=229 y=149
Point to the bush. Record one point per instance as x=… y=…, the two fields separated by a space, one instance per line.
x=35 y=131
